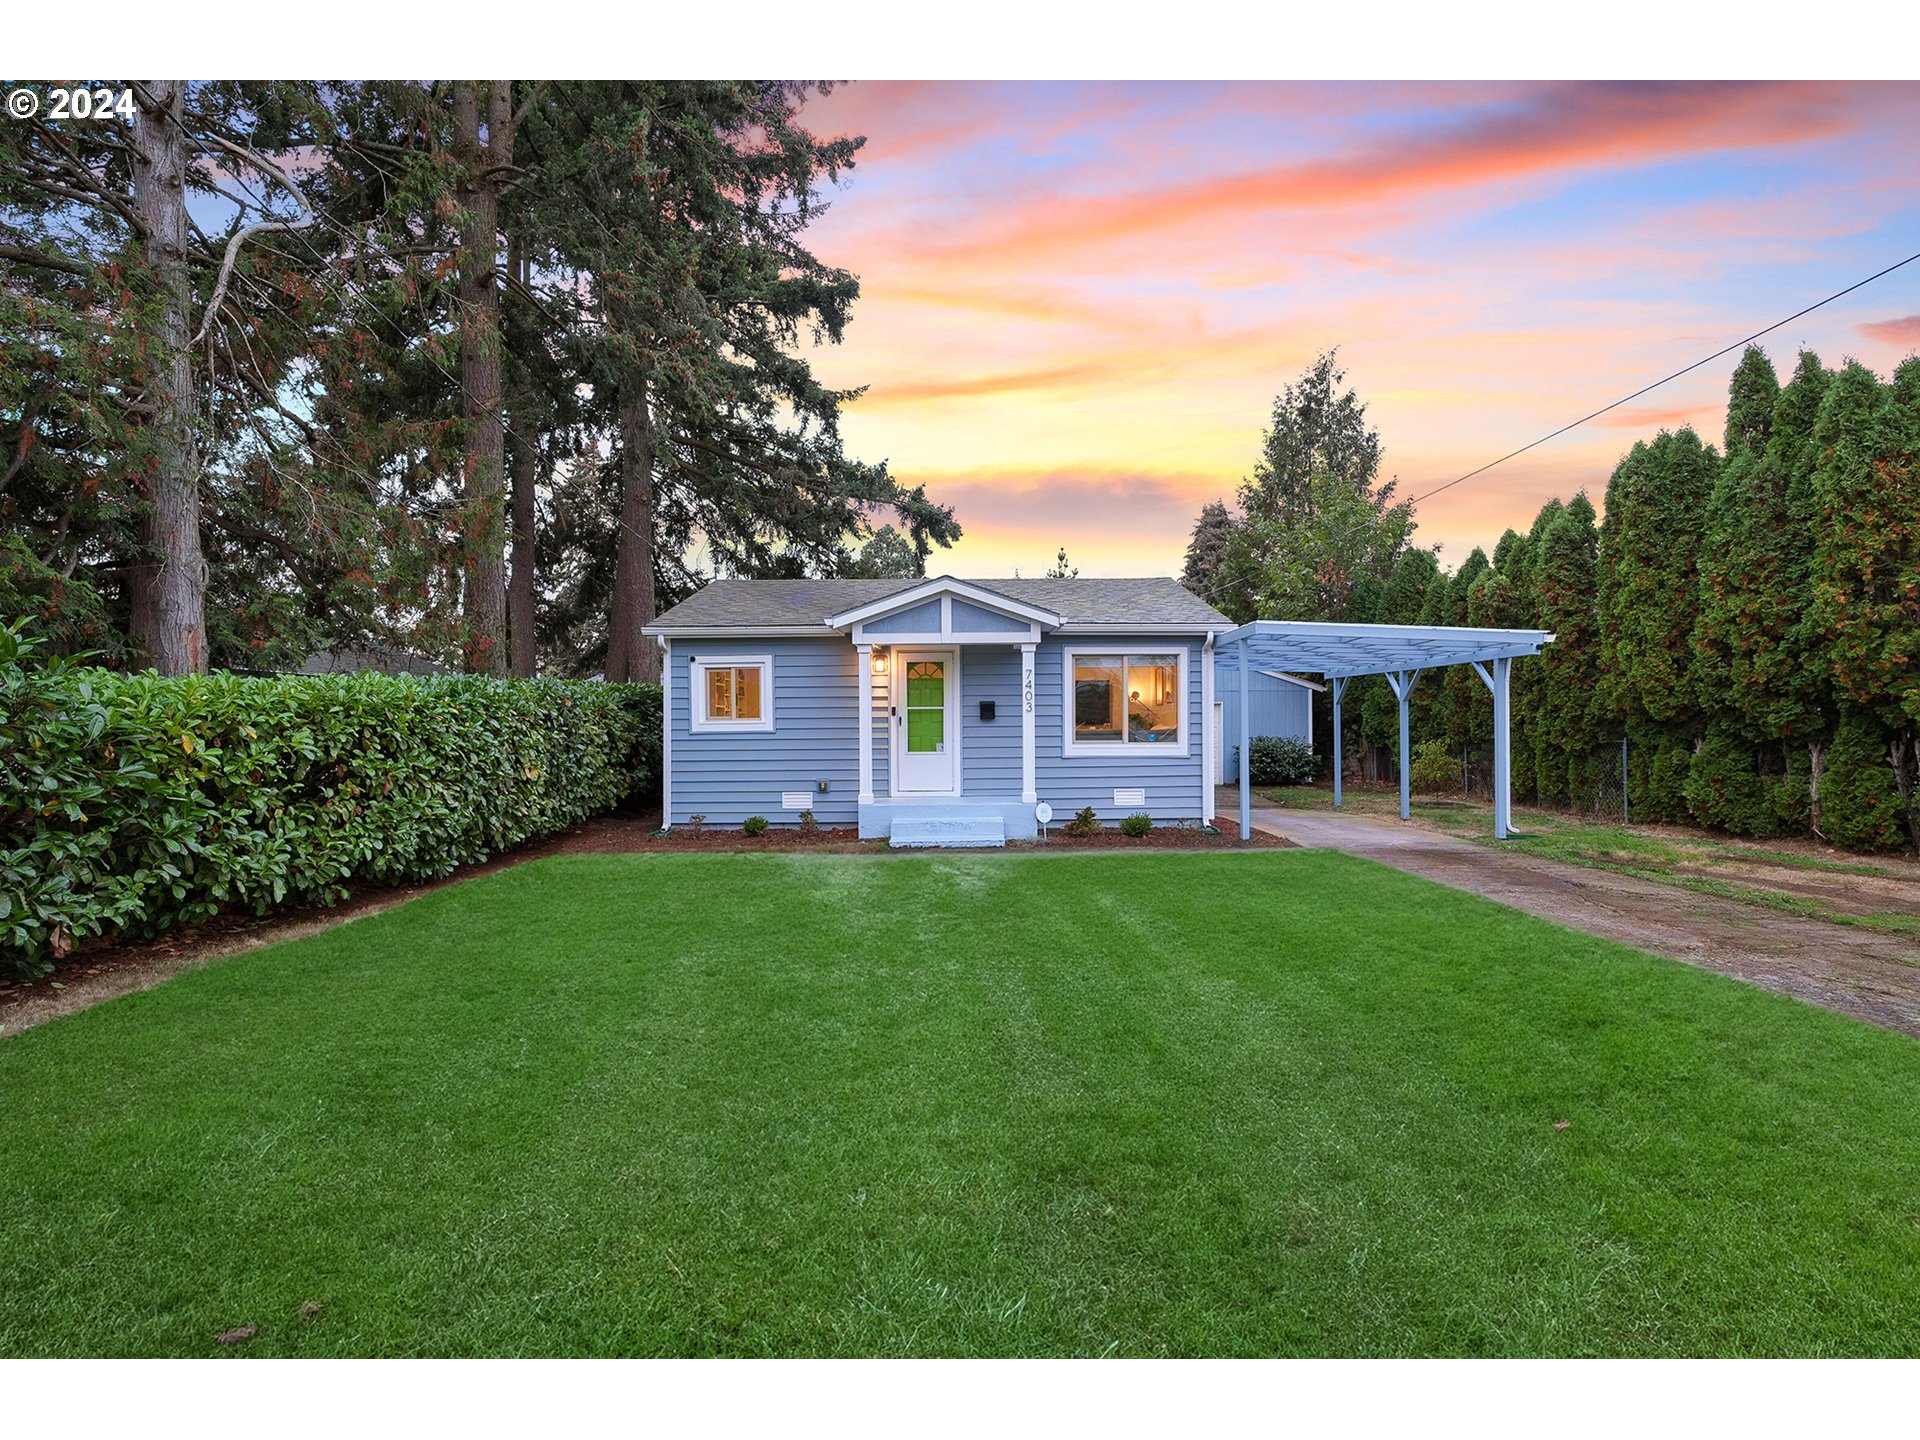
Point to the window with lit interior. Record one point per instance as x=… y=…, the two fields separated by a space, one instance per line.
x=733 y=693
x=1122 y=699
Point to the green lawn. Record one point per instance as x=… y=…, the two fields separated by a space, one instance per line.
x=1279 y=1103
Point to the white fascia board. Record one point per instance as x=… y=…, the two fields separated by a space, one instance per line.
x=1454 y=636
x=731 y=632
x=932 y=589
x=1199 y=632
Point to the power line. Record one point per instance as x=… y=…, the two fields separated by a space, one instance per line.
x=1427 y=495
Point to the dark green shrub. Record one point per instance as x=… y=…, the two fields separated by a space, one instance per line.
x=1281 y=760
x=133 y=803
x=755 y=825
x=1138 y=823
x=1434 y=768
x=1859 y=797
x=1724 y=787
x=1083 y=824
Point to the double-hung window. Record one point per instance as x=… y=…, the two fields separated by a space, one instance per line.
x=1126 y=701
x=733 y=693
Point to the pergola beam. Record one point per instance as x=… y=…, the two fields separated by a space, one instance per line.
x=1339 y=652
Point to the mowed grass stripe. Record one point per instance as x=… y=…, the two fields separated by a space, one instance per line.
x=1290 y=1103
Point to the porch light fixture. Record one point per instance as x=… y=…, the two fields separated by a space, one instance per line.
x=879 y=662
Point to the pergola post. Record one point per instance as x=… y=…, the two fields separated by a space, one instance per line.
x=1498 y=680
x=1502 y=750
x=1339 y=683
x=1402 y=683
x=1246 y=753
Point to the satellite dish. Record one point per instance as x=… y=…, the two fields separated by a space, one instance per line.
x=1043 y=812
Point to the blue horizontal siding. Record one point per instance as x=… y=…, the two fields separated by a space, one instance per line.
x=729 y=776
x=1274 y=707
x=1069 y=783
x=990 y=749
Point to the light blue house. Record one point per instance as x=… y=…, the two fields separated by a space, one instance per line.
x=939 y=711
x=1278 y=703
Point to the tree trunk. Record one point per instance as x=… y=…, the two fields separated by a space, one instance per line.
x=483 y=532
x=524 y=449
x=631 y=655
x=168 y=579
x=1816 y=767
x=520 y=621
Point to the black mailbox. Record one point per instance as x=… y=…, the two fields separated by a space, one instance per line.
x=986 y=709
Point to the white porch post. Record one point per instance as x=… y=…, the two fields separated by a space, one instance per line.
x=1029 y=792
x=1246 y=753
x=865 y=652
x=666 y=732
x=1208 y=769
x=1339 y=690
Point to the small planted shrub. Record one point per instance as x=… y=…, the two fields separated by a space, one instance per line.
x=1083 y=824
x=755 y=825
x=1434 y=768
x=808 y=825
x=696 y=823
x=1136 y=824
x=1281 y=760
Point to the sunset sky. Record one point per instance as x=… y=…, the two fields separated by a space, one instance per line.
x=1079 y=300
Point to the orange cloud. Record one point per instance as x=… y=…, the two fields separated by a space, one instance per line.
x=1904 y=331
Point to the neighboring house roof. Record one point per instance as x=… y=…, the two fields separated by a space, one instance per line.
x=803 y=606
x=352 y=659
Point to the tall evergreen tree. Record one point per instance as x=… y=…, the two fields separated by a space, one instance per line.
x=1316 y=520
x=1650 y=543
x=1207 y=569
x=1866 y=569
x=1569 y=711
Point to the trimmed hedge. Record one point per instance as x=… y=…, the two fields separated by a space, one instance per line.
x=132 y=804
x=1281 y=760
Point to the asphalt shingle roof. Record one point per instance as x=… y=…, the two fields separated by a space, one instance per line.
x=788 y=604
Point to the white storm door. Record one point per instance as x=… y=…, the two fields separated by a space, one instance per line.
x=927 y=722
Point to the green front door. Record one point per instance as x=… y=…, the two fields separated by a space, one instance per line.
x=926 y=716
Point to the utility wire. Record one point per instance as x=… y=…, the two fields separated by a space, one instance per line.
x=1427 y=495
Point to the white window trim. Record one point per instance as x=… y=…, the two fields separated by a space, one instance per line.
x=697 y=719
x=1123 y=748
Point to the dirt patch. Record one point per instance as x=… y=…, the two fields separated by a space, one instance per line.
x=1868 y=974
x=105 y=968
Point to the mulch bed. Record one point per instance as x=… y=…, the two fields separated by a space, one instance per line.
x=100 y=969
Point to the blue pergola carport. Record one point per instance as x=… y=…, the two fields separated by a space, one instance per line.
x=1339 y=652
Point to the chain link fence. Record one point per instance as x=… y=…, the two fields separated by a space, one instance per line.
x=1597 y=787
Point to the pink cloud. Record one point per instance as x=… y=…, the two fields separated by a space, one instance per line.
x=1555 y=130
x=1904 y=331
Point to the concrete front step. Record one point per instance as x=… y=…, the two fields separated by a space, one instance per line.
x=968 y=831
